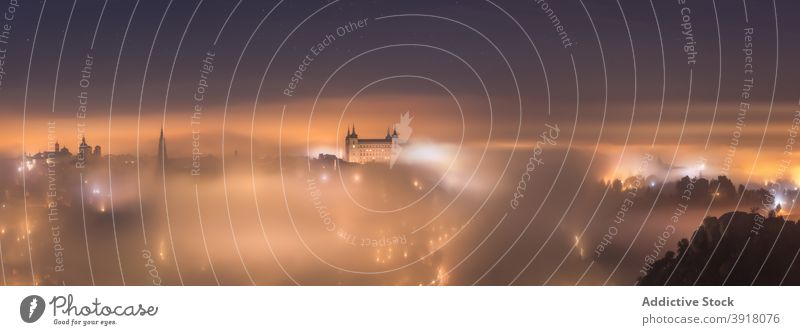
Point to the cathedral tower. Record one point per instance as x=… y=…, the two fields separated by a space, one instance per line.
x=162 y=148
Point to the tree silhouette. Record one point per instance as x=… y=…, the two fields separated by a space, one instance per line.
x=742 y=256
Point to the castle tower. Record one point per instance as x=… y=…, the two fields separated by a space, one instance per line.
x=351 y=145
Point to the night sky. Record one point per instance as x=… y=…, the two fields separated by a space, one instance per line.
x=153 y=67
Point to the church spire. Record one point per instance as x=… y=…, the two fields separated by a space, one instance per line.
x=162 y=148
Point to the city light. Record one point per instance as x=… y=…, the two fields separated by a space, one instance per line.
x=778 y=201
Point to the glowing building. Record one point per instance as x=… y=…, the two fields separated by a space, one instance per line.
x=370 y=150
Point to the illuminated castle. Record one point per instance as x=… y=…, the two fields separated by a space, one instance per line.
x=370 y=150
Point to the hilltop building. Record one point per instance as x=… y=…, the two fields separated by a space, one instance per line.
x=370 y=150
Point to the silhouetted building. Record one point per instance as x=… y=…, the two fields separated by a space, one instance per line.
x=328 y=160
x=84 y=150
x=162 y=148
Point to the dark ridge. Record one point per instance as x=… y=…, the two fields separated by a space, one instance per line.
x=756 y=265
